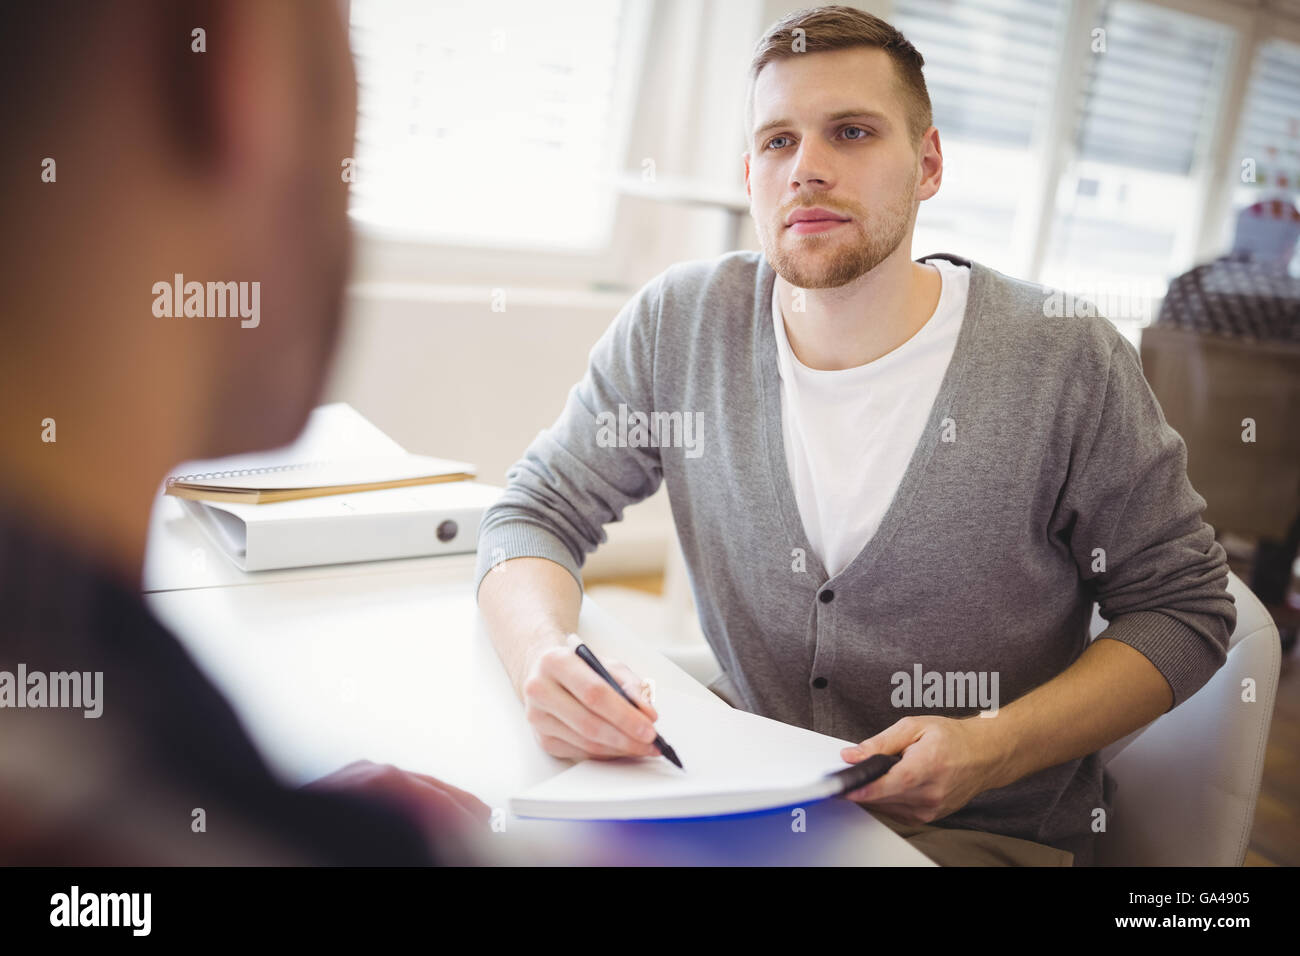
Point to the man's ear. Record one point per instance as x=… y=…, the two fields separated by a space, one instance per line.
x=931 y=160
x=189 y=58
x=745 y=157
x=230 y=83
x=258 y=102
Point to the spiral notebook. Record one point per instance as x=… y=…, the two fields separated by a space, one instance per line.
x=312 y=479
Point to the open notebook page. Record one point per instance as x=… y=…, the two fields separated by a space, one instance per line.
x=734 y=762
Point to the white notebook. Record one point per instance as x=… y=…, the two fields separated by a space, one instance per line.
x=294 y=480
x=338 y=528
x=733 y=762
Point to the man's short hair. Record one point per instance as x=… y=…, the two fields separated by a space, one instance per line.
x=819 y=29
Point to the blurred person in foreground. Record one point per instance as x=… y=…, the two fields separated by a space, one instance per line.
x=220 y=165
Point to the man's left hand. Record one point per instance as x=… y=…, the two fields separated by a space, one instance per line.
x=946 y=762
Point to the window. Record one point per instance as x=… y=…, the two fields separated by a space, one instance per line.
x=495 y=123
x=990 y=67
x=1267 y=158
x=1270 y=128
x=1124 y=218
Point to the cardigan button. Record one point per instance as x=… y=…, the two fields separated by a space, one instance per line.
x=820 y=682
x=826 y=596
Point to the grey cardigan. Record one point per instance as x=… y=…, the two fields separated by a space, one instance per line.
x=1046 y=479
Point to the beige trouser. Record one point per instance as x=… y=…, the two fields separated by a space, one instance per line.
x=953 y=847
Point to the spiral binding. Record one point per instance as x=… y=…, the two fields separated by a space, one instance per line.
x=266 y=470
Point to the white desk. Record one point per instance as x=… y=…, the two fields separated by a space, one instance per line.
x=389 y=662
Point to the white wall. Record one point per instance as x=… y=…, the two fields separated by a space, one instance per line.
x=424 y=356
x=444 y=375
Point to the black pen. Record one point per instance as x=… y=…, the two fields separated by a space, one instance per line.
x=583 y=651
x=858 y=775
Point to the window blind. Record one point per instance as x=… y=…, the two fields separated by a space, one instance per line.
x=1270 y=123
x=990 y=67
x=989 y=64
x=1152 y=92
x=487 y=123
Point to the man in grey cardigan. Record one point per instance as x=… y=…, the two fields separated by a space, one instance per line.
x=898 y=486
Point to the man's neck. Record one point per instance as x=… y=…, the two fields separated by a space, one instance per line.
x=858 y=323
x=102 y=517
x=92 y=488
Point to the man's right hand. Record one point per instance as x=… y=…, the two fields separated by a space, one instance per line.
x=576 y=715
x=437 y=807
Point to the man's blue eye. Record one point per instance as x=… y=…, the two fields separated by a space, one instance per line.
x=865 y=133
x=773 y=140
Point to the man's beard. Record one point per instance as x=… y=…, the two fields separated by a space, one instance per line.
x=828 y=260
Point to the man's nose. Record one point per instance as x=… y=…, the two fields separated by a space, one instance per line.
x=812 y=167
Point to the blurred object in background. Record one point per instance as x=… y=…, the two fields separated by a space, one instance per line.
x=1223 y=359
x=1233 y=401
x=1271 y=581
x=1236 y=297
x=1267 y=231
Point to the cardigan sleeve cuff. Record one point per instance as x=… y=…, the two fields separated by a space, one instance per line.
x=520 y=539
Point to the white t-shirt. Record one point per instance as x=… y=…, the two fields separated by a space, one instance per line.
x=850 y=434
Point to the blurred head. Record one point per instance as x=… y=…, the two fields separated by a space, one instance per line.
x=195 y=137
x=839 y=129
